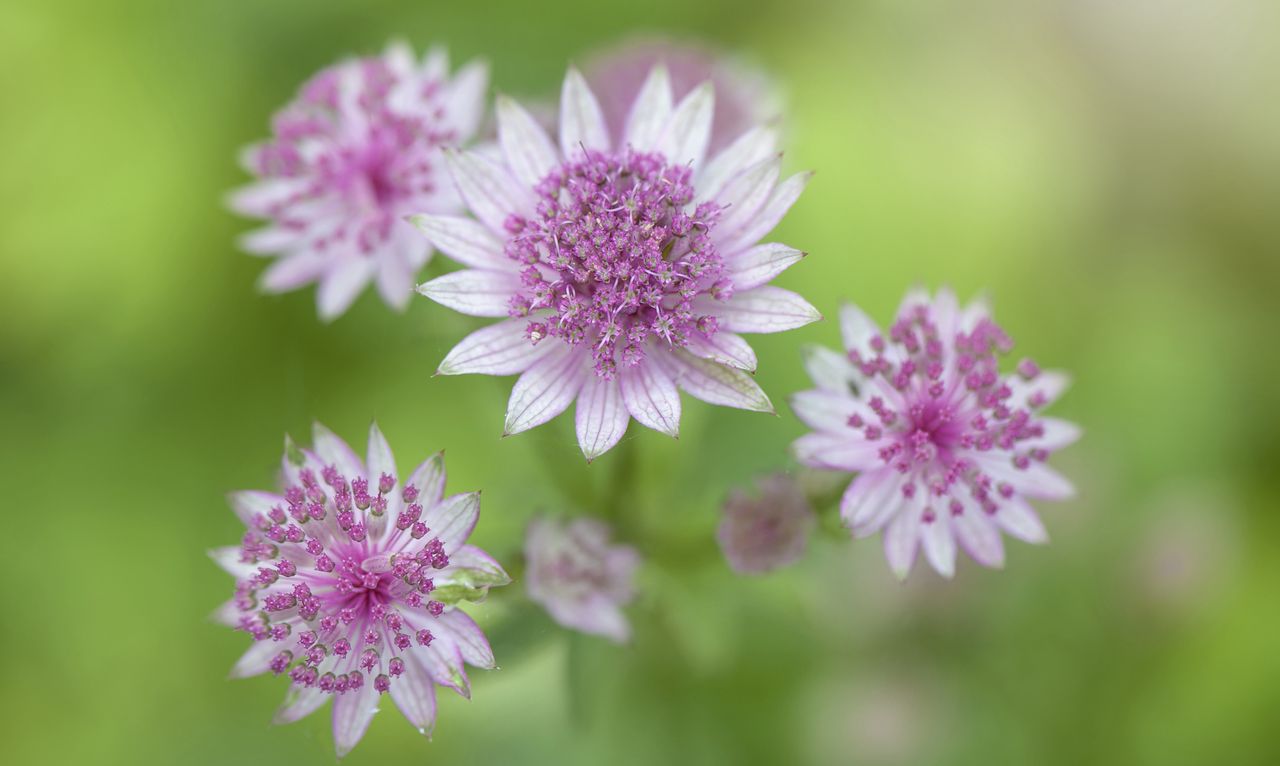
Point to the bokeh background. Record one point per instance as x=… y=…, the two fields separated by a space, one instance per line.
x=1108 y=171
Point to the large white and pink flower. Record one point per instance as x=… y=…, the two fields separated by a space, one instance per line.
x=948 y=449
x=358 y=149
x=624 y=270
x=349 y=581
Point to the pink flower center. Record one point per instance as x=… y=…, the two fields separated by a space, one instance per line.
x=615 y=256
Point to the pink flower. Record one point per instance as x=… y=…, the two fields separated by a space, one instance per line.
x=578 y=577
x=357 y=150
x=758 y=534
x=947 y=448
x=625 y=271
x=745 y=96
x=349 y=580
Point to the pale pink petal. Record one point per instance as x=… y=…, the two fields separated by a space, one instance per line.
x=902 y=541
x=352 y=713
x=443 y=660
x=257 y=660
x=601 y=417
x=765 y=309
x=468 y=637
x=380 y=458
x=340 y=286
x=489 y=192
x=228 y=557
x=581 y=121
x=464 y=99
x=474 y=292
x=651 y=396
x=724 y=348
x=837 y=452
x=300 y=702
x=651 y=111
x=685 y=140
x=499 y=349
x=783 y=197
x=547 y=388
x=1058 y=433
x=827 y=411
x=464 y=240
x=334 y=451
x=1047 y=387
x=429 y=479
x=1016 y=517
x=453 y=519
x=829 y=370
x=758 y=265
x=415 y=694
x=394 y=279
x=939 y=544
x=250 y=503
x=271 y=240
x=1037 y=480
x=857 y=329
x=293 y=271
x=870 y=501
x=716 y=383
x=529 y=152
x=749 y=149
x=978 y=535
x=744 y=196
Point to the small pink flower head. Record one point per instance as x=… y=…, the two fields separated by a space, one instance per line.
x=348 y=583
x=948 y=448
x=578 y=577
x=745 y=96
x=625 y=270
x=356 y=151
x=759 y=534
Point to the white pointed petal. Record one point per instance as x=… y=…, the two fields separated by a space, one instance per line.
x=1016 y=517
x=759 y=265
x=464 y=240
x=765 y=309
x=529 y=152
x=453 y=519
x=744 y=196
x=471 y=566
x=259 y=199
x=228 y=557
x=747 y=150
x=1058 y=433
x=293 y=271
x=380 y=458
x=341 y=285
x=826 y=410
x=271 y=240
x=939 y=544
x=1037 y=480
x=829 y=370
x=717 y=383
x=228 y=614
x=595 y=615
x=978 y=536
x=685 y=140
x=250 y=502
x=443 y=661
x=301 y=702
x=601 y=418
x=257 y=659
x=547 y=388
x=394 y=279
x=979 y=308
x=783 y=197
x=351 y=715
x=842 y=452
x=870 y=501
x=1049 y=384
x=724 y=348
x=651 y=111
x=490 y=193
x=415 y=694
x=474 y=292
x=429 y=478
x=334 y=451
x=499 y=349
x=857 y=329
x=902 y=541
x=468 y=637
x=581 y=120
x=651 y=396
x=465 y=97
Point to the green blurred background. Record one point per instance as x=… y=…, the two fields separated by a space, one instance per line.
x=1109 y=171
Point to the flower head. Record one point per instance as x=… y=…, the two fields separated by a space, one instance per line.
x=758 y=534
x=348 y=583
x=745 y=96
x=356 y=151
x=948 y=448
x=624 y=269
x=581 y=580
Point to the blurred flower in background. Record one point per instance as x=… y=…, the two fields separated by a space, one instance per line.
x=626 y=271
x=348 y=582
x=356 y=151
x=578 y=576
x=770 y=530
x=745 y=95
x=948 y=450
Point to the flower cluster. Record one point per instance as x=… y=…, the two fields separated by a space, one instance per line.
x=356 y=151
x=948 y=448
x=348 y=583
x=579 y=577
x=630 y=267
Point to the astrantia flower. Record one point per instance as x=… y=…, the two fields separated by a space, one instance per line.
x=348 y=583
x=581 y=580
x=761 y=533
x=356 y=151
x=948 y=448
x=745 y=96
x=625 y=269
